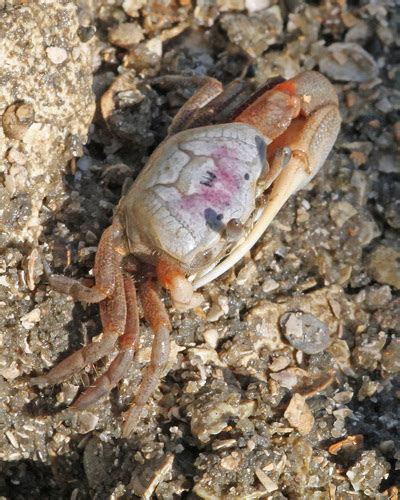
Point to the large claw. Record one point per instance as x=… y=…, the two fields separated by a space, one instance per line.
x=310 y=136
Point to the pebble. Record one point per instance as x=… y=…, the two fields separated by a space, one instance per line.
x=348 y=62
x=57 y=55
x=391 y=356
x=305 y=332
x=125 y=35
x=383 y=266
x=266 y=481
x=86 y=422
x=392 y=214
x=211 y=337
x=231 y=462
x=279 y=363
x=341 y=211
x=254 y=34
x=388 y=164
x=255 y=5
x=299 y=415
x=131 y=7
x=28 y=320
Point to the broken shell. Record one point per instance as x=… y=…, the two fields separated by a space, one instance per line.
x=16 y=120
x=299 y=415
x=356 y=442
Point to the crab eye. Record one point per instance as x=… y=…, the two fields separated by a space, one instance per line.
x=234 y=230
x=206 y=257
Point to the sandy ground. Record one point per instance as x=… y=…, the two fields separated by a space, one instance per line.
x=246 y=410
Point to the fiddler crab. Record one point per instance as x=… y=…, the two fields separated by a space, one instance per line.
x=204 y=198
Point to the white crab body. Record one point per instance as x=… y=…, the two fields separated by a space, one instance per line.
x=192 y=186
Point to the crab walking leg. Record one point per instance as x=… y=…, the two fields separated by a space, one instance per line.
x=113 y=316
x=310 y=142
x=108 y=260
x=208 y=89
x=121 y=363
x=157 y=316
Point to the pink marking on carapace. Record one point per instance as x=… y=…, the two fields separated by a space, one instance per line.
x=222 y=189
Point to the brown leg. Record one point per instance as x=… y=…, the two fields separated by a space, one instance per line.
x=108 y=260
x=109 y=291
x=208 y=89
x=156 y=314
x=128 y=343
x=113 y=317
x=223 y=106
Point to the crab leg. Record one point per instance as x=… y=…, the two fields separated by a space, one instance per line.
x=119 y=366
x=109 y=291
x=208 y=89
x=310 y=136
x=108 y=260
x=156 y=314
x=113 y=317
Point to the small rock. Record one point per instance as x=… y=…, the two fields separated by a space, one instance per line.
x=29 y=319
x=388 y=164
x=279 y=363
x=285 y=379
x=305 y=332
x=57 y=55
x=358 y=33
x=211 y=337
x=340 y=212
x=299 y=415
x=266 y=481
x=392 y=214
x=254 y=34
x=145 y=480
x=383 y=266
x=388 y=317
x=231 y=462
x=225 y=5
x=368 y=473
x=348 y=62
x=391 y=356
x=367 y=389
x=269 y=285
x=255 y=5
x=126 y=35
x=10 y=372
x=132 y=7
x=378 y=296
x=367 y=228
x=247 y=274
x=86 y=422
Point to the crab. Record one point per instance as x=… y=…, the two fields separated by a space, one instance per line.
x=206 y=195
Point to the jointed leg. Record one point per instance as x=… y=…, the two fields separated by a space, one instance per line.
x=113 y=316
x=156 y=314
x=108 y=260
x=208 y=89
x=109 y=291
x=128 y=343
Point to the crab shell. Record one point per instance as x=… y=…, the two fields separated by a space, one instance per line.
x=192 y=186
